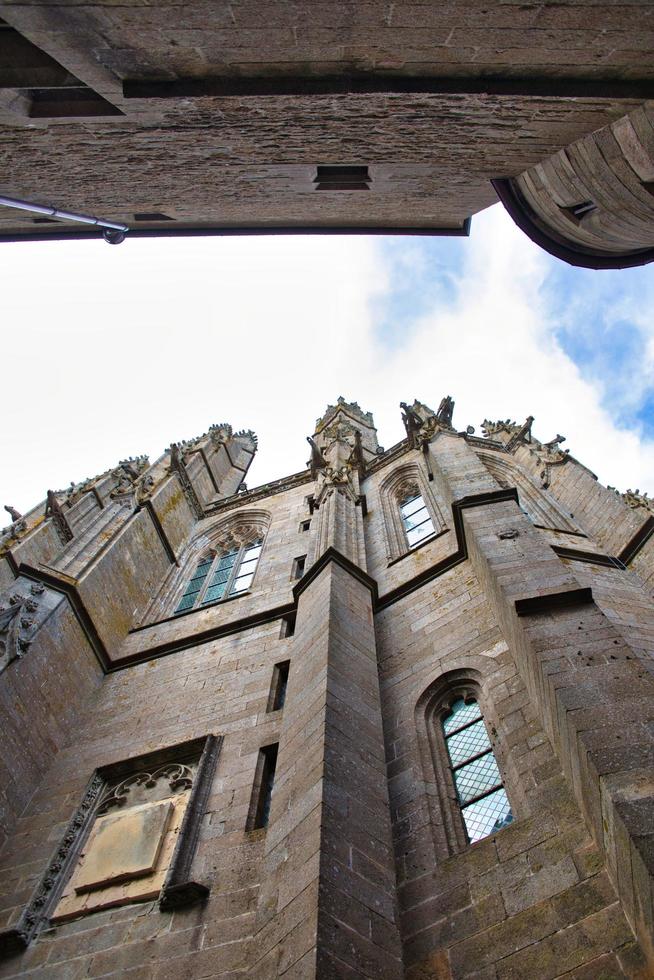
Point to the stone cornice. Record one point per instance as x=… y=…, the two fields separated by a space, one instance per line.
x=193 y=639
x=259 y=493
x=389 y=456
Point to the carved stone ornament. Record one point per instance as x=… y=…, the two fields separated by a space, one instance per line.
x=247 y=434
x=421 y=423
x=37 y=911
x=636 y=499
x=220 y=433
x=522 y=435
x=239 y=536
x=13 y=533
x=341 y=430
x=102 y=794
x=18 y=623
x=405 y=490
x=54 y=511
x=352 y=407
x=133 y=789
x=491 y=429
x=133 y=482
x=177 y=466
x=317 y=461
x=336 y=479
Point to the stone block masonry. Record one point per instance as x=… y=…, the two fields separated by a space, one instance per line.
x=330 y=839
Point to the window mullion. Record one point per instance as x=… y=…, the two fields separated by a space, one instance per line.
x=207 y=582
x=234 y=572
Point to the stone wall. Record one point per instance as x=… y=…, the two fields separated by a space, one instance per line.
x=360 y=871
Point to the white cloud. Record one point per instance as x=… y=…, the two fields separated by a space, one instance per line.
x=112 y=351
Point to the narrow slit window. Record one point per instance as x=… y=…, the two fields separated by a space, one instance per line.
x=298 y=566
x=278 y=687
x=288 y=626
x=417 y=522
x=263 y=787
x=305 y=525
x=220 y=576
x=481 y=796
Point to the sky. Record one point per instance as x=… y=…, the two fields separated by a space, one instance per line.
x=112 y=351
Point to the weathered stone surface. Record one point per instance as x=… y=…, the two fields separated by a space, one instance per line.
x=360 y=871
x=123 y=846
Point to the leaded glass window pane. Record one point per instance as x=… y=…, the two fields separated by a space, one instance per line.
x=477 y=777
x=186 y=602
x=195 y=585
x=246 y=569
x=471 y=741
x=416 y=520
x=482 y=798
x=487 y=815
x=411 y=505
x=242 y=583
x=416 y=534
x=418 y=517
x=461 y=713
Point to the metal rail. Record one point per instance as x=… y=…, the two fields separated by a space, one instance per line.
x=112 y=231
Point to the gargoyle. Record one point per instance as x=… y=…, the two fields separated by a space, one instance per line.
x=445 y=410
x=412 y=421
x=317 y=461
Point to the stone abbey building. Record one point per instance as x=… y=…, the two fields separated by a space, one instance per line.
x=390 y=716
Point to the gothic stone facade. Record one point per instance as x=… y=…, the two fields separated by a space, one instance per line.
x=225 y=712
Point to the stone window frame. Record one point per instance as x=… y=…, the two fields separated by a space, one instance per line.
x=393 y=490
x=213 y=558
x=220 y=534
x=433 y=707
x=263 y=787
x=180 y=886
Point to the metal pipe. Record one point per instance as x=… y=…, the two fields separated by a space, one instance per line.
x=113 y=231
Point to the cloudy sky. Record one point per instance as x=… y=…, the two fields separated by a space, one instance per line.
x=115 y=351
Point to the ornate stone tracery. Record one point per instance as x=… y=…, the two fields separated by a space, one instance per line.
x=178 y=466
x=147 y=784
x=54 y=510
x=18 y=624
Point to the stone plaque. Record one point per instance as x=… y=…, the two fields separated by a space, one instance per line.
x=123 y=846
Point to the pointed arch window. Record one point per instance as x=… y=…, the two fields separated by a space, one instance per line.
x=480 y=792
x=416 y=519
x=221 y=576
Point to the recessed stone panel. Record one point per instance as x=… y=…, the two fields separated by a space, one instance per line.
x=123 y=846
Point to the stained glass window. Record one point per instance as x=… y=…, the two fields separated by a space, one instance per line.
x=220 y=576
x=415 y=517
x=482 y=798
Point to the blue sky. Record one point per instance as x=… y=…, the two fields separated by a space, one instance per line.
x=118 y=351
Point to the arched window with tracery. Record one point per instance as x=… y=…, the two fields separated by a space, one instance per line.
x=466 y=765
x=220 y=575
x=411 y=512
x=480 y=791
x=220 y=564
